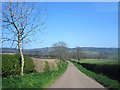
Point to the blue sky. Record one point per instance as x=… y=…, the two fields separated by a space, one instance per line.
x=84 y=24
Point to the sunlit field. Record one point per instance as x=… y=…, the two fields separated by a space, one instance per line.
x=96 y=61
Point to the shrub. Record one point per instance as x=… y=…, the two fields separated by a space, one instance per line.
x=39 y=65
x=52 y=66
x=109 y=70
x=58 y=64
x=28 y=64
x=63 y=62
x=10 y=65
x=78 y=62
x=46 y=66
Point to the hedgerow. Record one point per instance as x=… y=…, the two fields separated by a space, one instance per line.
x=11 y=65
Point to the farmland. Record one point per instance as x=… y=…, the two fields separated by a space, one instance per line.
x=96 y=61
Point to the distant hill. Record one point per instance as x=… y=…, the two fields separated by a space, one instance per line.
x=48 y=49
x=94 y=49
x=37 y=50
x=90 y=52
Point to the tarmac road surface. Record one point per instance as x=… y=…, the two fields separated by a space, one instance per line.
x=73 y=78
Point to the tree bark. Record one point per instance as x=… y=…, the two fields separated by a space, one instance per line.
x=22 y=58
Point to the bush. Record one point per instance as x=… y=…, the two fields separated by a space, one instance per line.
x=63 y=62
x=78 y=63
x=46 y=66
x=28 y=64
x=109 y=70
x=11 y=65
x=52 y=66
x=59 y=64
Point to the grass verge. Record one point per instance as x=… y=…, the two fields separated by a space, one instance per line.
x=33 y=80
x=104 y=80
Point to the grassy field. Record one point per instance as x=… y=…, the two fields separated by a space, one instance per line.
x=96 y=61
x=104 y=80
x=33 y=80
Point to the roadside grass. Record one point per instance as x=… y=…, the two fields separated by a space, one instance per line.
x=33 y=80
x=104 y=80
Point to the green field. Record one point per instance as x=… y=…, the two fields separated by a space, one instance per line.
x=96 y=61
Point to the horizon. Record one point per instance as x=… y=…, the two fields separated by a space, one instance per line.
x=68 y=47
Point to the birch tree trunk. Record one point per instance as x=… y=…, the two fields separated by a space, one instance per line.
x=22 y=57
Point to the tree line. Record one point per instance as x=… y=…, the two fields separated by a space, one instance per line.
x=60 y=50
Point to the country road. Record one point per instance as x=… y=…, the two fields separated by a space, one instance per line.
x=73 y=78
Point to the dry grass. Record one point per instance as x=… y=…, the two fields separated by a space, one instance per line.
x=49 y=60
x=40 y=64
x=52 y=66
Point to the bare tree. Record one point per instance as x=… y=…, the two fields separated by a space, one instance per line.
x=101 y=56
x=78 y=53
x=20 y=20
x=59 y=49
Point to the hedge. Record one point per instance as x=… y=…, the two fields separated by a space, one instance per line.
x=11 y=65
x=110 y=70
x=28 y=64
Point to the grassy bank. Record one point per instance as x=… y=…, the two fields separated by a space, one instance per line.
x=104 y=80
x=33 y=80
